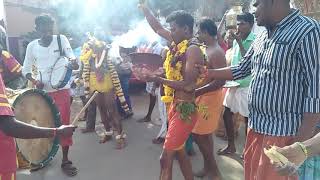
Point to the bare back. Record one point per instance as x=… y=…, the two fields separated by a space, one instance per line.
x=216 y=57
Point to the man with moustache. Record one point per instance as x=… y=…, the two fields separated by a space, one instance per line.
x=236 y=99
x=284 y=95
x=43 y=53
x=182 y=57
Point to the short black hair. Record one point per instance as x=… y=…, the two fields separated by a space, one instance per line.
x=246 y=17
x=181 y=18
x=209 y=26
x=44 y=19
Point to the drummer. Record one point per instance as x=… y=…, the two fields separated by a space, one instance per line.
x=45 y=51
x=236 y=99
x=10 y=127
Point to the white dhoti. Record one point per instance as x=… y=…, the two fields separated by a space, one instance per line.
x=237 y=100
x=163 y=115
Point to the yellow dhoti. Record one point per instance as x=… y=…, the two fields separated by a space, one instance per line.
x=103 y=86
x=214 y=102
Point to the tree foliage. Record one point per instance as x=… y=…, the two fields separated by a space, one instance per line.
x=167 y=6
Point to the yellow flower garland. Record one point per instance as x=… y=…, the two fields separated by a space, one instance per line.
x=173 y=72
x=86 y=53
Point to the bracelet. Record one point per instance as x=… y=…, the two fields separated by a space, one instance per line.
x=304 y=149
x=55 y=132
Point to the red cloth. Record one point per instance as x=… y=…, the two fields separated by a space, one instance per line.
x=8 y=161
x=5 y=108
x=257 y=165
x=178 y=130
x=62 y=101
x=8 y=176
x=10 y=68
x=8 y=158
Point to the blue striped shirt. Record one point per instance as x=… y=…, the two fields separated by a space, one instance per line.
x=286 y=76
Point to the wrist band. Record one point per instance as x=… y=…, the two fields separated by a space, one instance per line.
x=303 y=148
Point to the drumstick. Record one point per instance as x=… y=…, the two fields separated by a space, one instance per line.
x=76 y=119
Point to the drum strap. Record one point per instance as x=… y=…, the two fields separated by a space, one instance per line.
x=60 y=46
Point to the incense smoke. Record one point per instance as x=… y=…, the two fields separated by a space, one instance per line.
x=140 y=34
x=84 y=15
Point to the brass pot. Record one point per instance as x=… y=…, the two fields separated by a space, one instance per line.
x=231 y=16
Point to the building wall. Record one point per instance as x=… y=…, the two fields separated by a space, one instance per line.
x=20 y=16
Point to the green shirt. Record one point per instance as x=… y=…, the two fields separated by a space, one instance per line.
x=237 y=57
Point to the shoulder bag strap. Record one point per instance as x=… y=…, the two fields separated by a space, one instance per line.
x=60 y=46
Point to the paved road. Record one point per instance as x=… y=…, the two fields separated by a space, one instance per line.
x=139 y=161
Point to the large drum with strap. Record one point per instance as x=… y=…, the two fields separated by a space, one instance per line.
x=35 y=107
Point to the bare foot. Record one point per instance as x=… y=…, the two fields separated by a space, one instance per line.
x=146 y=119
x=226 y=151
x=68 y=168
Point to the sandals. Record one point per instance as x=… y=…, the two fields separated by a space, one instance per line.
x=121 y=141
x=69 y=169
x=107 y=137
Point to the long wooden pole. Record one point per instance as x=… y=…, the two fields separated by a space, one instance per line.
x=76 y=119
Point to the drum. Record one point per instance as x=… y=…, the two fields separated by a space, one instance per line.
x=61 y=73
x=148 y=60
x=37 y=108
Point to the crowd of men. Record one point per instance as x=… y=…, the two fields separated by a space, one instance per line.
x=275 y=86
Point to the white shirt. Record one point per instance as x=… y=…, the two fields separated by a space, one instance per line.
x=44 y=58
